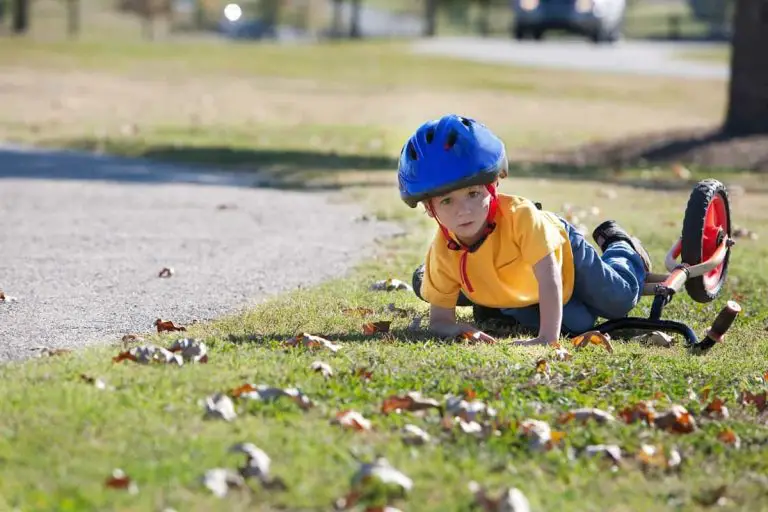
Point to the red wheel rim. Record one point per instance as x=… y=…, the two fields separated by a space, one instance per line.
x=715 y=222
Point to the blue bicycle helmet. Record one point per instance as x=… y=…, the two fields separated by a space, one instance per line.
x=447 y=154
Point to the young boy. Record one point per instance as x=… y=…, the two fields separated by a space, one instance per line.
x=502 y=252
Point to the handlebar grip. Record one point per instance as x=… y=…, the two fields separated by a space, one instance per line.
x=724 y=320
x=719 y=327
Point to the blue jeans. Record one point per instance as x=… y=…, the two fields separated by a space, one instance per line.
x=608 y=286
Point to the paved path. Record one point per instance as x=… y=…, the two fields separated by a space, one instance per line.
x=636 y=57
x=82 y=239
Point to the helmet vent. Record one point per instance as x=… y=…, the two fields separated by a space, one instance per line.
x=412 y=152
x=430 y=135
x=465 y=121
x=451 y=140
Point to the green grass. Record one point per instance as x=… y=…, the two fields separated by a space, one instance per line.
x=717 y=55
x=61 y=437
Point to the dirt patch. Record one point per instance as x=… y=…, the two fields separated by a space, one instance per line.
x=700 y=147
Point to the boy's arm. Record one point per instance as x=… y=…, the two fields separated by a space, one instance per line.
x=442 y=321
x=548 y=275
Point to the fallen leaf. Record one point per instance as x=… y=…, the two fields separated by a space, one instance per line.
x=539 y=434
x=391 y=285
x=146 y=354
x=655 y=457
x=717 y=409
x=310 y=341
x=585 y=414
x=377 y=480
x=542 y=366
x=681 y=172
x=220 y=481
x=352 y=420
x=132 y=338
x=167 y=326
x=510 y=500
x=119 y=480
x=594 y=338
x=677 y=420
x=561 y=353
x=412 y=401
x=191 y=350
x=265 y=393
x=220 y=406
x=165 y=272
x=322 y=368
x=655 y=338
x=641 y=411
x=97 y=383
x=609 y=451
x=413 y=435
x=357 y=311
x=759 y=400
x=6 y=298
x=364 y=373
x=468 y=410
x=712 y=497
x=398 y=311
x=53 y=352
x=729 y=437
x=372 y=328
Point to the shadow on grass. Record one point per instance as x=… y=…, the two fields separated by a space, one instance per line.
x=617 y=161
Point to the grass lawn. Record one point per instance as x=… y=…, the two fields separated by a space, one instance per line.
x=719 y=55
x=307 y=111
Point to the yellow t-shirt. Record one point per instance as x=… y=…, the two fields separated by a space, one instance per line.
x=500 y=271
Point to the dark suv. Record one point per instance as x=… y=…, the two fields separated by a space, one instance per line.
x=600 y=20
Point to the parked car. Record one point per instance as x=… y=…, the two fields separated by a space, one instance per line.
x=600 y=20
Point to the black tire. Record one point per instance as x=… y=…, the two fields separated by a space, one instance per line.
x=538 y=34
x=519 y=33
x=693 y=237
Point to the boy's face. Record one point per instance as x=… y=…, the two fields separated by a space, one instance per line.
x=464 y=211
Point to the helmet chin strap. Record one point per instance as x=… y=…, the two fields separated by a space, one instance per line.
x=457 y=245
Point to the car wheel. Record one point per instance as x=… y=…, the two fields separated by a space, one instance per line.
x=519 y=33
x=538 y=34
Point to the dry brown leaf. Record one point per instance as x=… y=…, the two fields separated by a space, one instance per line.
x=729 y=437
x=357 y=311
x=257 y=461
x=681 y=172
x=656 y=457
x=119 y=480
x=391 y=285
x=717 y=409
x=655 y=338
x=6 y=298
x=540 y=435
x=97 y=383
x=561 y=353
x=363 y=373
x=585 y=414
x=165 y=272
x=191 y=350
x=677 y=420
x=594 y=338
x=641 y=411
x=167 y=326
x=219 y=481
x=609 y=451
x=411 y=401
x=759 y=400
x=542 y=366
x=311 y=341
x=352 y=420
x=147 y=354
x=511 y=500
x=265 y=393
x=413 y=435
x=132 y=338
x=220 y=406
x=372 y=328
x=468 y=410
x=322 y=368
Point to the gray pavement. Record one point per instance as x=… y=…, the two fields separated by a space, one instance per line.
x=83 y=238
x=634 y=57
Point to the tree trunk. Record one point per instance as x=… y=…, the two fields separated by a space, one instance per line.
x=430 y=18
x=354 y=22
x=748 y=92
x=336 y=23
x=20 y=16
x=73 y=18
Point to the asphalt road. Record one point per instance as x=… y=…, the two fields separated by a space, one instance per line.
x=83 y=237
x=635 y=57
